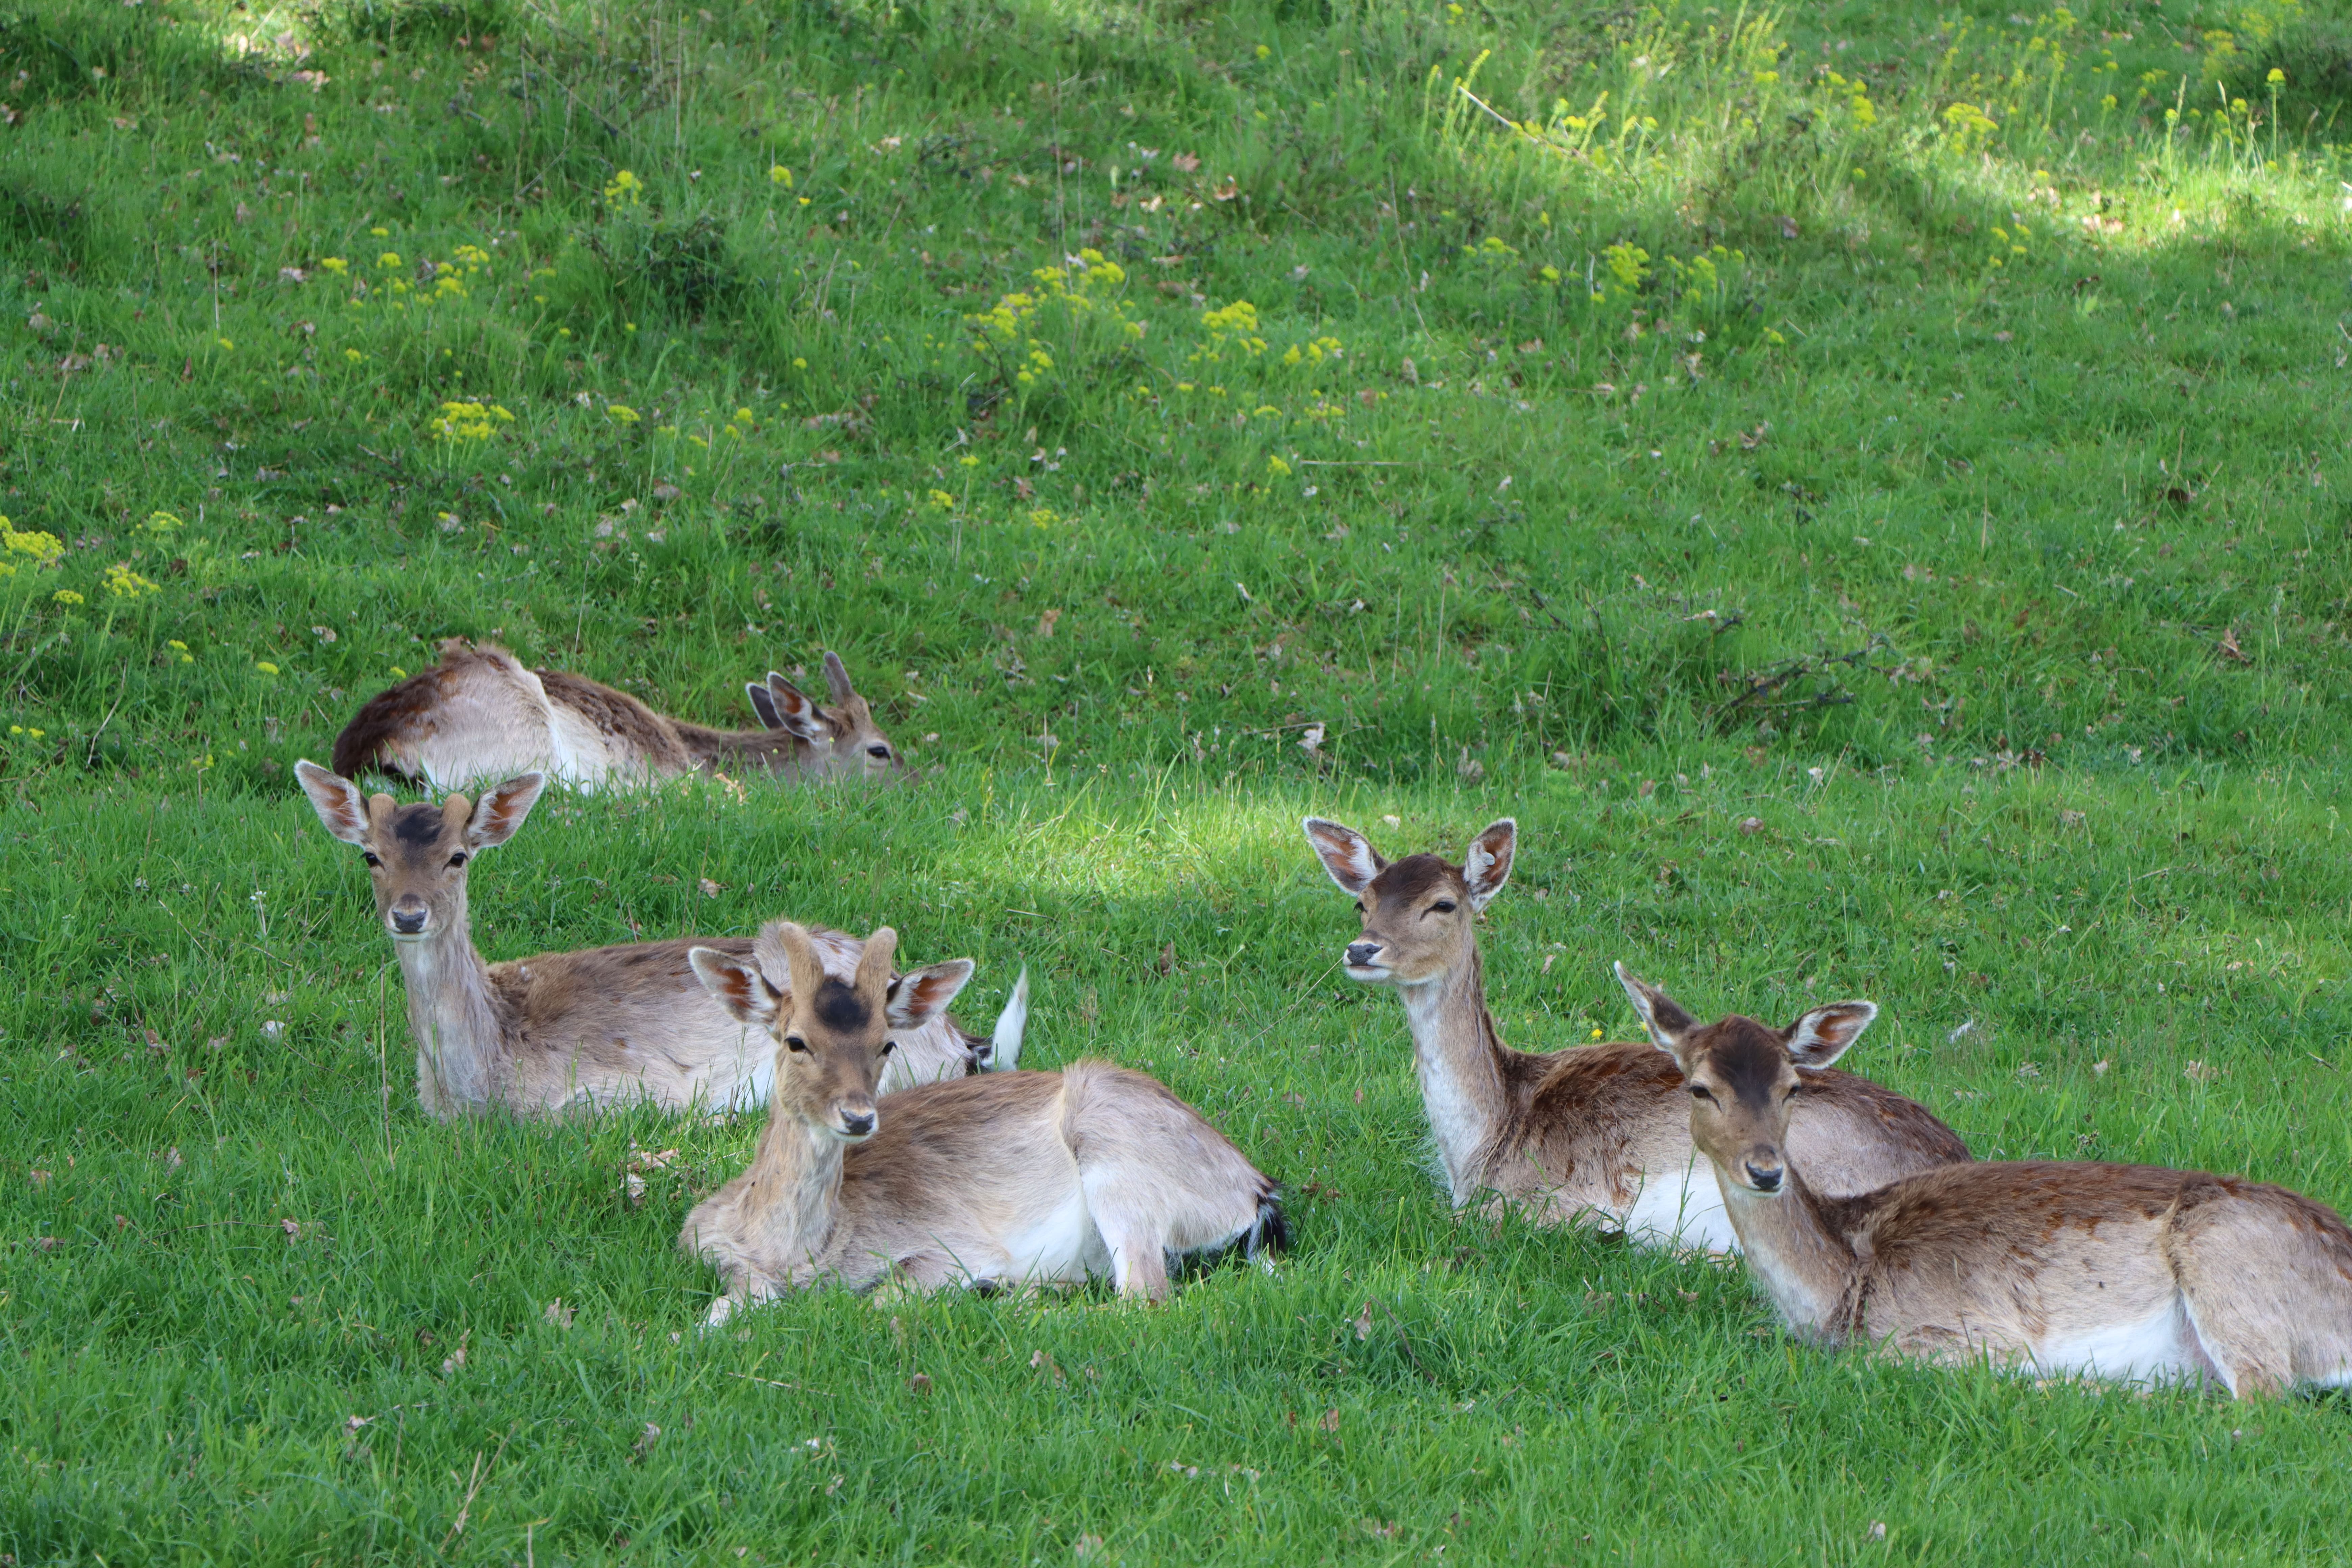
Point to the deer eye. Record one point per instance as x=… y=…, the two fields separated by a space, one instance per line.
x=457 y=861
x=1443 y=907
x=889 y=1046
x=880 y=752
x=794 y=1043
x=1700 y=1091
x=370 y=857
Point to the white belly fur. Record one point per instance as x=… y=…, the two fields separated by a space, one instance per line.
x=1681 y=1208
x=1061 y=1247
x=2161 y=1347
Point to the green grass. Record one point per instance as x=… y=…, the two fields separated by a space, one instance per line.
x=2008 y=603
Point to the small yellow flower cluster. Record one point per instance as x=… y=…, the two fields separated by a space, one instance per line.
x=1276 y=466
x=177 y=646
x=1314 y=353
x=1076 y=293
x=124 y=584
x=1864 y=112
x=463 y=422
x=20 y=729
x=1042 y=517
x=264 y=666
x=942 y=499
x=1492 y=248
x=162 y=522
x=1629 y=264
x=334 y=264
x=620 y=413
x=779 y=175
x=1234 y=325
x=67 y=596
x=1970 y=127
x=44 y=548
x=625 y=190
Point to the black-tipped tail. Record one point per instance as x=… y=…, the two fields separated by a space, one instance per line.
x=1270 y=1232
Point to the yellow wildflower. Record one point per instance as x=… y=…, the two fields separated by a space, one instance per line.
x=1276 y=466
x=780 y=175
x=124 y=584
x=67 y=596
x=942 y=499
x=264 y=666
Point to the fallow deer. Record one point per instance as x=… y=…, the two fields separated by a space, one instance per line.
x=480 y=715
x=1012 y=1179
x=2130 y=1273
x=566 y=1030
x=1591 y=1135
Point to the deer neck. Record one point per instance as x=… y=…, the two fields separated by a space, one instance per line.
x=740 y=750
x=1458 y=1057
x=1802 y=1262
x=453 y=1018
x=792 y=1191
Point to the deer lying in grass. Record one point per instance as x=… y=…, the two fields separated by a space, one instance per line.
x=479 y=714
x=1591 y=1134
x=2132 y=1273
x=1013 y=1179
x=565 y=1030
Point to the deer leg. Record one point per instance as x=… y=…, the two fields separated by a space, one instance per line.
x=1138 y=1261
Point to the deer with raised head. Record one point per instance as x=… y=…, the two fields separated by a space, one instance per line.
x=567 y=1030
x=1008 y=1180
x=2129 y=1273
x=479 y=714
x=1591 y=1135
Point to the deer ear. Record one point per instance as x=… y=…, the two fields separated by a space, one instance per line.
x=501 y=809
x=837 y=679
x=1821 y=1036
x=795 y=714
x=1345 y=853
x=763 y=705
x=737 y=987
x=1670 y=1026
x=1488 y=864
x=342 y=810
x=921 y=995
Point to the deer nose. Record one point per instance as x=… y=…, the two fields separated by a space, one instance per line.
x=1360 y=953
x=857 y=1124
x=408 y=923
x=1764 y=1178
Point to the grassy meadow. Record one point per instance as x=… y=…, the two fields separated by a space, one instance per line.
x=1865 y=486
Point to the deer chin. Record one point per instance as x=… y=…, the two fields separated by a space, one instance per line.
x=1370 y=974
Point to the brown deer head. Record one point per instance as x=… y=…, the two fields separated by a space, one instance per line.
x=831 y=1039
x=1421 y=912
x=1743 y=1075
x=418 y=855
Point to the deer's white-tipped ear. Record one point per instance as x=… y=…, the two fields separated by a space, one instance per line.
x=1488 y=864
x=836 y=677
x=1669 y=1025
x=342 y=810
x=501 y=809
x=736 y=985
x=796 y=714
x=1823 y=1036
x=763 y=705
x=921 y=995
x=1345 y=853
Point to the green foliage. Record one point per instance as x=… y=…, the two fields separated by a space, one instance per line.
x=1864 y=487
